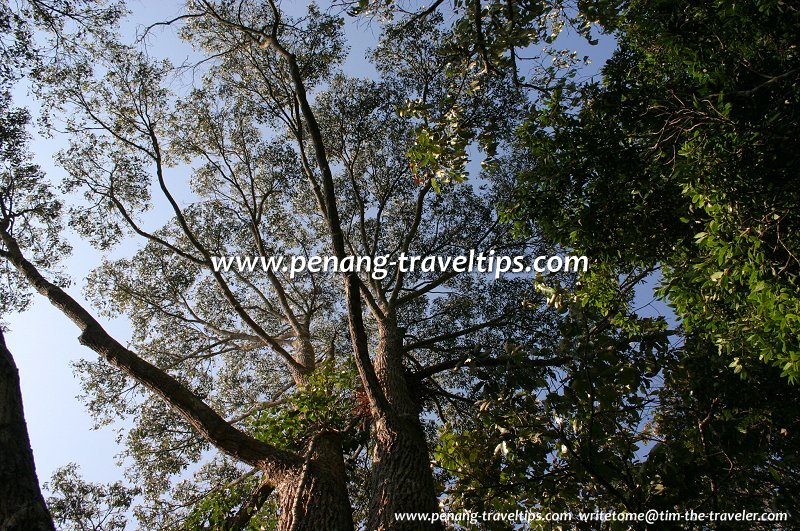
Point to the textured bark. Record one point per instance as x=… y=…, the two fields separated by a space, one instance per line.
x=306 y=361
x=317 y=497
x=402 y=480
x=21 y=504
x=312 y=491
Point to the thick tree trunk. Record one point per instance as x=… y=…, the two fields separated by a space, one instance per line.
x=313 y=490
x=305 y=357
x=21 y=504
x=402 y=480
x=317 y=498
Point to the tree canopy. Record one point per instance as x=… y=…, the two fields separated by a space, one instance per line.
x=257 y=398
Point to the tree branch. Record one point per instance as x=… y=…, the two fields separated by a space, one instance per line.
x=352 y=284
x=276 y=463
x=432 y=370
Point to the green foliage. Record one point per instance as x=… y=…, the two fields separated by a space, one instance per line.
x=563 y=438
x=77 y=505
x=216 y=508
x=29 y=210
x=629 y=423
x=684 y=160
x=733 y=439
x=326 y=403
x=686 y=157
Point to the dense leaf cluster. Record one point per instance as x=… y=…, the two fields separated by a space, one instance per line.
x=552 y=394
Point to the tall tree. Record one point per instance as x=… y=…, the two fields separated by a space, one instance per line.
x=335 y=392
x=680 y=160
x=275 y=171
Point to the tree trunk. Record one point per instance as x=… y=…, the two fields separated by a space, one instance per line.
x=317 y=497
x=21 y=504
x=312 y=490
x=305 y=357
x=402 y=480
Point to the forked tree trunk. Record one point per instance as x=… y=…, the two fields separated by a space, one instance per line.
x=21 y=504
x=316 y=498
x=402 y=480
